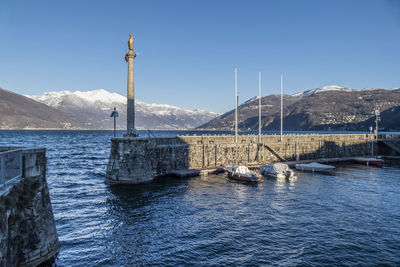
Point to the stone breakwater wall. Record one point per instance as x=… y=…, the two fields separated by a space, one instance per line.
x=139 y=160
x=27 y=228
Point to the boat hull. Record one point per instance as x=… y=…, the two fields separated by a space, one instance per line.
x=278 y=171
x=374 y=163
x=305 y=169
x=244 y=178
x=315 y=167
x=370 y=161
x=277 y=176
x=281 y=176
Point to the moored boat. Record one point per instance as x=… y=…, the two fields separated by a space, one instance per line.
x=314 y=167
x=369 y=161
x=242 y=173
x=277 y=170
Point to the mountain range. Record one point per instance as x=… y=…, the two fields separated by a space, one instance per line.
x=97 y=105
x=326 y=108
x=90 y=110
x=20 y=112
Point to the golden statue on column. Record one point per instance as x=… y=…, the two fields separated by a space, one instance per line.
x=130 y=45
x=130 y=42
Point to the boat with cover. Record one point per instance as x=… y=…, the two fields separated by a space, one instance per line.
x=277 y=170
x=369 y=161
x=314 y=167
x=242 y=173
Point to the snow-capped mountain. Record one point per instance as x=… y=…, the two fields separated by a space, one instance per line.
x=326 y=108
x=370 y=89
x=56 y=99
x=98 y=104
x=323 y=89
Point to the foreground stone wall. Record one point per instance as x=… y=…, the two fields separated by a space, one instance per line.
x=139 y=160
x=27 y=227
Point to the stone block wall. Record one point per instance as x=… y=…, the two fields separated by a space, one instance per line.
x=27 y=227
x=145 y=158
x=139 y=160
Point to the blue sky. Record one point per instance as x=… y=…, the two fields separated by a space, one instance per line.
x=188 y=49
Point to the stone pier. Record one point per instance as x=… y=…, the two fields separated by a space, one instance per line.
x=135 y=160
x=27 y=228
x=140 y=160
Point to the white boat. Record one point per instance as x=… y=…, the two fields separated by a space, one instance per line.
x=277 y=170
x=242 y=173
x=314 y=167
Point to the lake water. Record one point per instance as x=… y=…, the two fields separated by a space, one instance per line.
x=349 y=218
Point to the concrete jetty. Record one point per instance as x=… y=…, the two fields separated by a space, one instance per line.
x=195 y=172
x=140 y=160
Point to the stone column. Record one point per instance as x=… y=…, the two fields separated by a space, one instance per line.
x=129 y=57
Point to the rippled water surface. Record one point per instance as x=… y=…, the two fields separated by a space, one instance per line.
x=352 y=217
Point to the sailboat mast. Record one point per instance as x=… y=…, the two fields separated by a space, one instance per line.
x=281 y=106
x=236 y=108
x=259 y=106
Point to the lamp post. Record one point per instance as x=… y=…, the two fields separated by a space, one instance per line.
x=259 y=107
x=281 y=107
x=377 y=119
x=115 y=115
x=372 y=141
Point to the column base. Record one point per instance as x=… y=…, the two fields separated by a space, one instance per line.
x=131 y=133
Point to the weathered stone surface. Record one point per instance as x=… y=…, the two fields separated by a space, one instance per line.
x=27 y=227
x=139 y=160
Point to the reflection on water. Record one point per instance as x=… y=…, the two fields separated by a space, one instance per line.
x=349 y=218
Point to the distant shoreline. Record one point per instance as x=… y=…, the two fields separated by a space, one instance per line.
x=84 y=129
x=206 y=132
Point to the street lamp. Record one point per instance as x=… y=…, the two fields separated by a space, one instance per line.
x=115 y=115
x=377 y=119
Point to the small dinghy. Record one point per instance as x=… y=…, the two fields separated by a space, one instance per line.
x=314 y=167
x=370 y=161
x=277 y=170
x=242 y=173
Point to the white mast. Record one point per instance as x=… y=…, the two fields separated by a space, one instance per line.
x=259 y=106
x=281 y=106
x=236 y=107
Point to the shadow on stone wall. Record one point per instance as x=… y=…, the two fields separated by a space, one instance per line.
x=330 y=149
x=139 y=160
